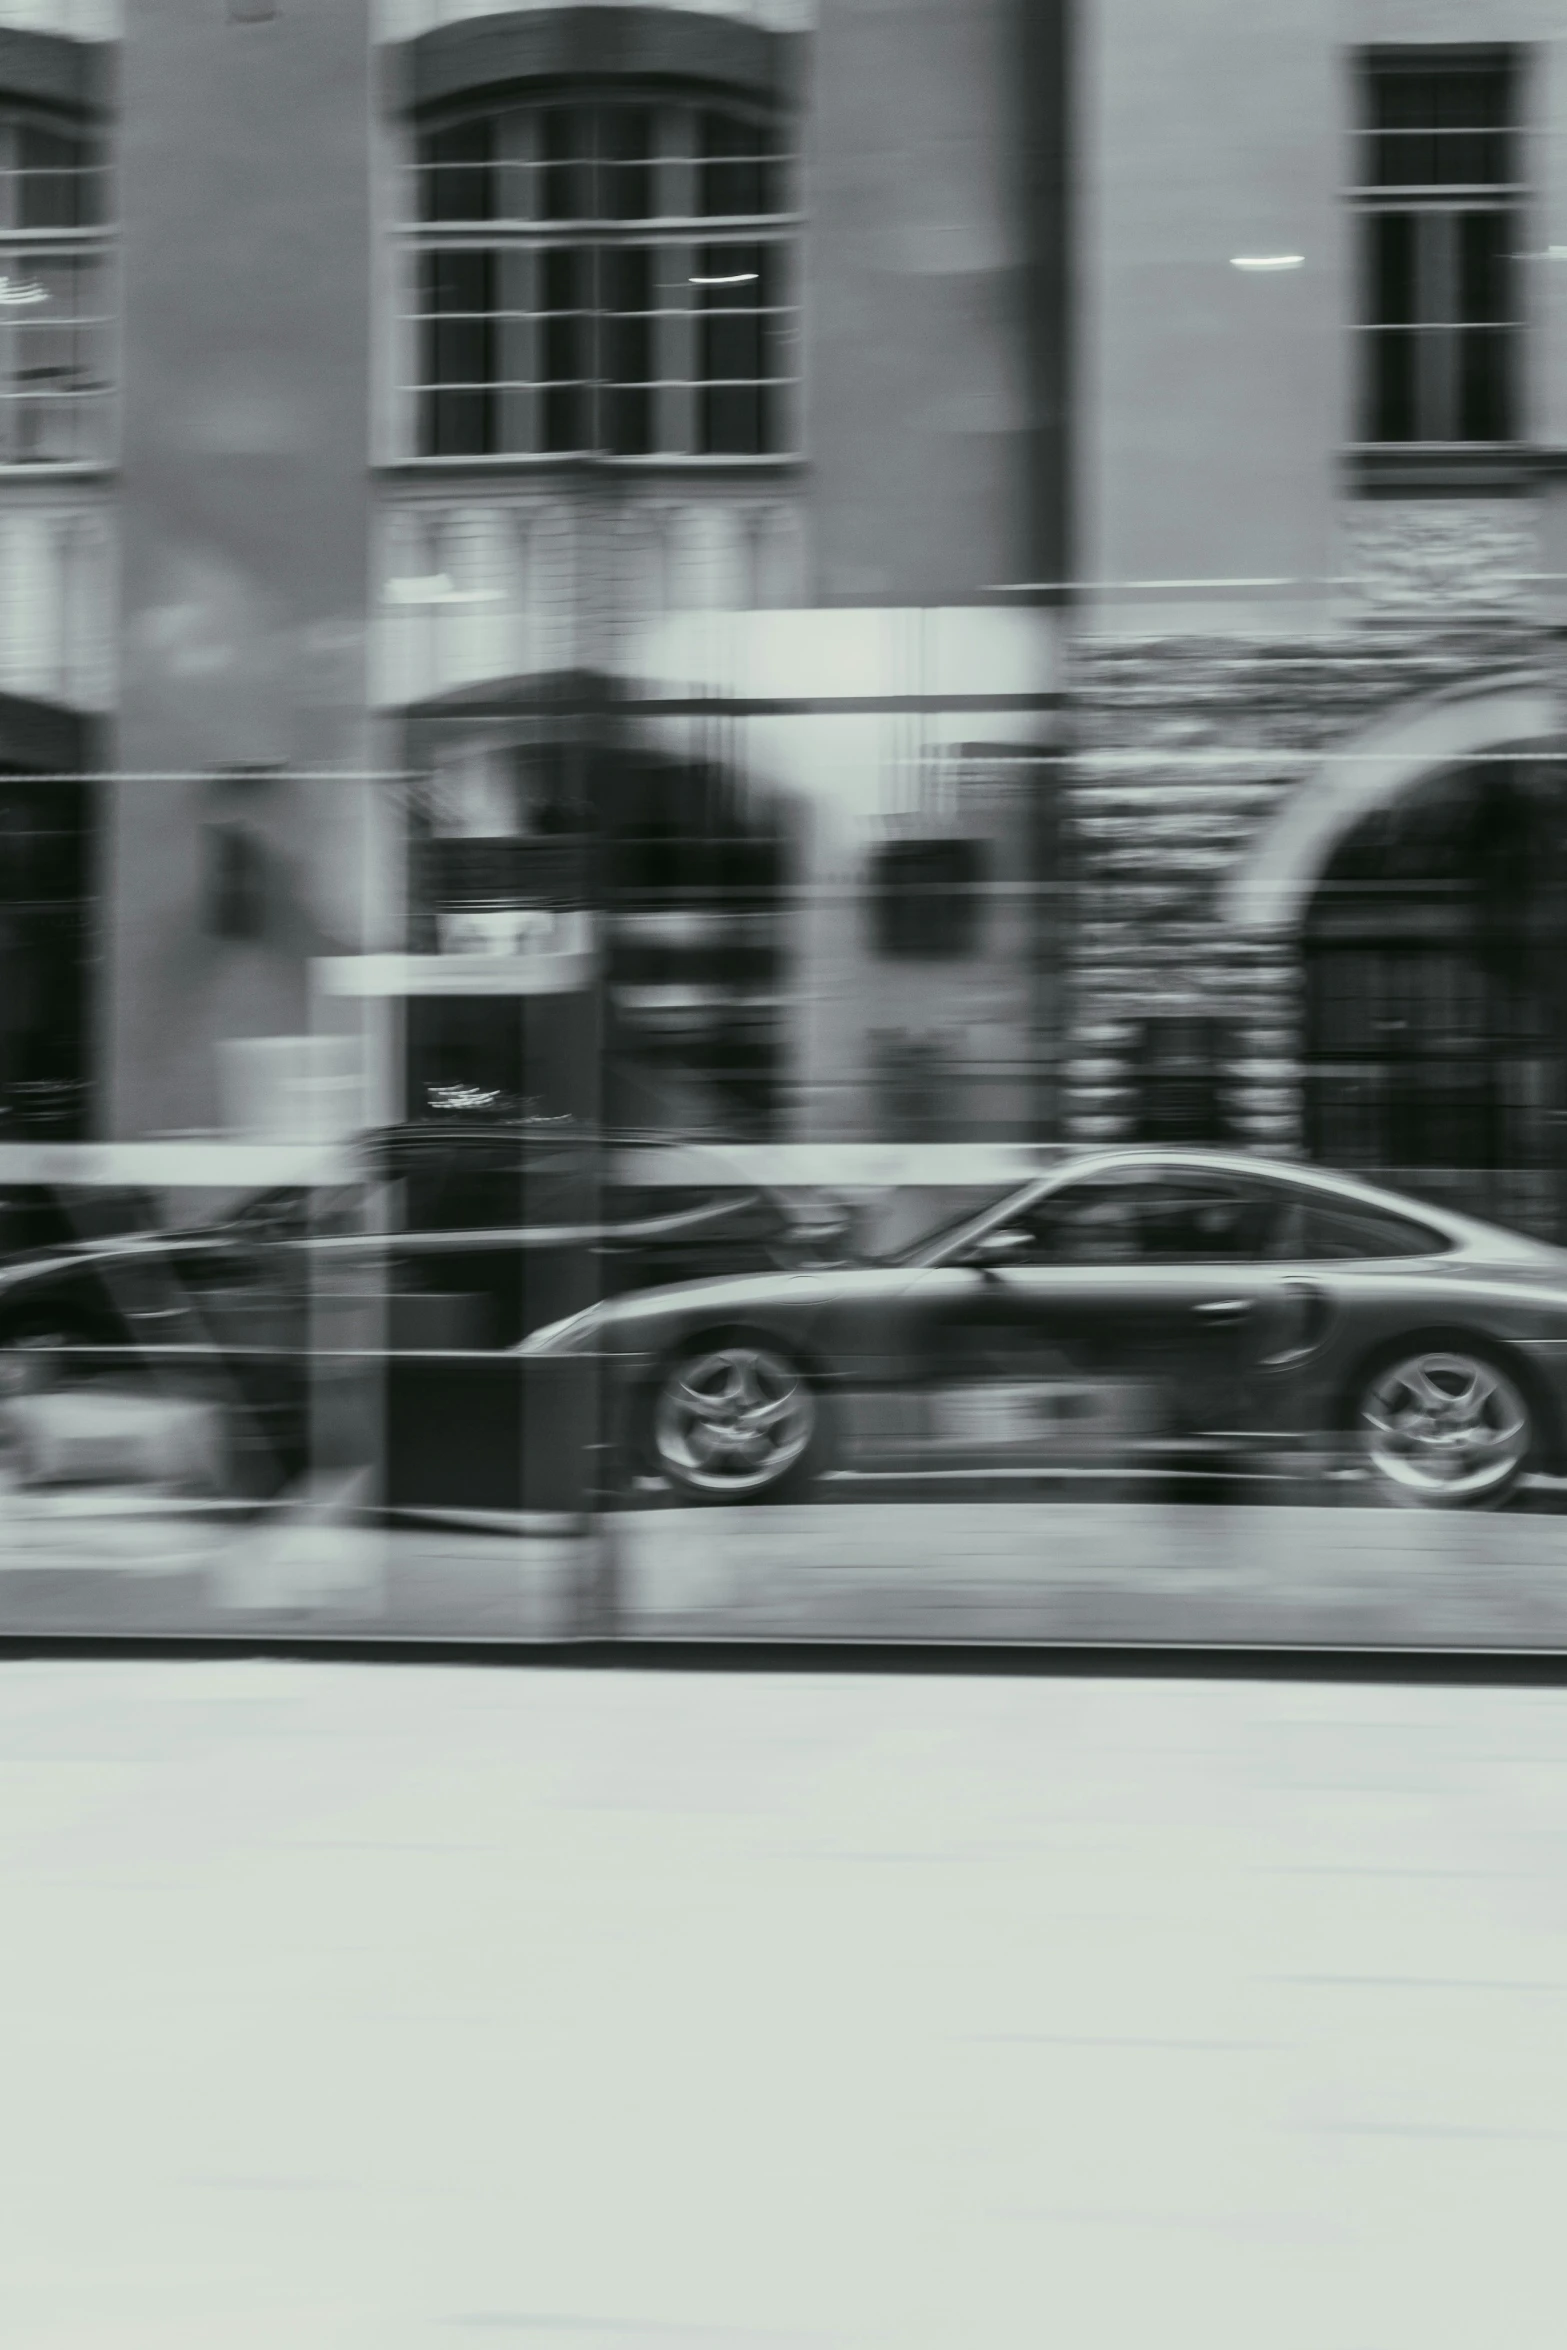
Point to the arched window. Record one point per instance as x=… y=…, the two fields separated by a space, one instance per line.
x=608 y=274
x=54 y=292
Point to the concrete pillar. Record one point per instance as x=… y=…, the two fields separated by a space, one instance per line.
x=245 y=501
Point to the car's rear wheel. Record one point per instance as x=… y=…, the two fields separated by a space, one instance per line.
x=736 y=1419
x=1445 y=1426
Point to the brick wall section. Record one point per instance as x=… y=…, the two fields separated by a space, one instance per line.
x=1186 y=748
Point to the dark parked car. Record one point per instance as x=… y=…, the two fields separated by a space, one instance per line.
x=1125 y=1306
x=458 y=1240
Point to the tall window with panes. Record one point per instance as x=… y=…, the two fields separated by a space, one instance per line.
x=55 y=323
x=607 y=276
x=1440 y=194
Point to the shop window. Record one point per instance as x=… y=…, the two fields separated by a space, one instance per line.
x=926 y=898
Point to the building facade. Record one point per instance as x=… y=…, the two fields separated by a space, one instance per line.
x=985 y=572
x=1316 y=654
x=704 y=373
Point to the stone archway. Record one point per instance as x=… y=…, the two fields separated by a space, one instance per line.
x=1434 y=963
x=1419 y=886
x=1273 y=883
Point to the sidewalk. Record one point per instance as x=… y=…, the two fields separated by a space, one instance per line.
x=443 y=2010
x=1090 y=1572
x=114 y=1564
x=1079 y=1572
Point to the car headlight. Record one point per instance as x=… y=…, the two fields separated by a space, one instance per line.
x=574 y=1335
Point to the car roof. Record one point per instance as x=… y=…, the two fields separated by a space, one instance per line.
x=1333 y=1183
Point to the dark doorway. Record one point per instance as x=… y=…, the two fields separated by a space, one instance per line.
x=46 y=910
x=1436 y=993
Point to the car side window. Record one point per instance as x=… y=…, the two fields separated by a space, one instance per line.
x=1314 y=1232
x=1089 y=1223
x=1169 y=1219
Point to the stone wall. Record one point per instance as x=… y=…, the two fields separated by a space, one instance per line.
x=1186 y=749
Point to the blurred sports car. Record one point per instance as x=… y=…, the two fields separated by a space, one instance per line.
x=1127 y=1305
x=452 y=1242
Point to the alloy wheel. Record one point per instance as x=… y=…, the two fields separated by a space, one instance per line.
x=1445 y=1426
x=733 y=1419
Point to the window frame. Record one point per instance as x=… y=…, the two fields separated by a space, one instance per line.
x=87 y=247
x=1438 y=333
x=524 y=249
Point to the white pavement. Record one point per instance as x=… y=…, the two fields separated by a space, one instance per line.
x=374 y=2008
x=1092 y=1572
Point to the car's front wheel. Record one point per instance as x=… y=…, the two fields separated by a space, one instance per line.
x=1445 y=1426
x=736 y=1419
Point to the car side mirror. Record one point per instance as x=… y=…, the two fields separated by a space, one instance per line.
x=1001 y=1247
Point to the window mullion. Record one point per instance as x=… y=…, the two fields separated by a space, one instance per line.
x=515 y=334
x=677 y=327
x=1437 y=301
x=595 y=338
x=676 y=352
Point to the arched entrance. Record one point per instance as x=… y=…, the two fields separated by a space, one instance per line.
x=1434 y=953
x=547 y=796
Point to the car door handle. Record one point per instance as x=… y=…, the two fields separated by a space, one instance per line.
x=1224 y=1309
x=1315 y=1310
